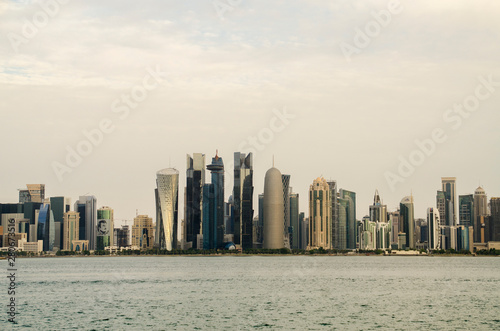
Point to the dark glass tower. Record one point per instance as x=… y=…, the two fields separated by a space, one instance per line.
x=46 y=228
x=213 y=206
x=351 y=226
x=243 y=200
x=466 y=209
x=194 y=197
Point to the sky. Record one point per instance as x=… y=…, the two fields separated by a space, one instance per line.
x=97 y=96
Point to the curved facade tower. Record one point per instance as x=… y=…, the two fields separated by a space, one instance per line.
x=167 y=198
x=274 y=210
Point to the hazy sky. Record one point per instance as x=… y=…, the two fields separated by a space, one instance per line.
x=359 y=100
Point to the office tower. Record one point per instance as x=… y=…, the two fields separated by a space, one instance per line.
x=294 y=221
x=195 y=181
x=229 y=216
x=274 y=212
x=243 y=200
x=406 y=214
x=351 y=223
x=213 y=206
x=59 y=206
x=71 y=220
x=46 y=227
x=320 y=211
x=433 y=229
x=449 y=189
x=395 y=226
x=105 y=228
x=466 y=210
x=286 y=201
x=494 y=226
x=465 y=237
x=339 y=235
x=368 y=234
x=86 y=206
x=33 y=193
x=260 y=239
x=142 y=232
x=304 y=224
x=449 y=237
x=167 y=204
x=480 y=213
x=122 y=236
x=441 y=206
x=378 y=212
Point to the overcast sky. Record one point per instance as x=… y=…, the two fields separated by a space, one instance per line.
x=224 y=75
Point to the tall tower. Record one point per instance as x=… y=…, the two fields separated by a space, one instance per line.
x=286 y=201
x=167 y=206
x=87 y=207
x=480 y=212
x=466 y=209
x=105 y=228
x=441 y=206
x=433 y=229
x=335 y=241
x=294 y=221
x=449 y=187
x=195 y=179
x=407 y=219
x=243 y=200
x=351 y=228
x=274 y=210
x=213 y=206
x=378 y=215
x=494 y=220
x=320 y=212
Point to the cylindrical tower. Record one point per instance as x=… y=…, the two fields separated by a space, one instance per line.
x=273 y=210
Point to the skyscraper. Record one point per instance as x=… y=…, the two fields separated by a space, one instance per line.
x=213 y=206
x=407 y=219
x=194 y=197
x=494 y=226
x=243 y=200
x=142 y=232
x=433 y=241
x=338 y=240
x=378 y=215
x=294 y=221
x=59 y=206
x=449 y=186
x=286 y=200
x=466 y=209
x=86 y=206
x=46 y=227
x=167 y=203
x=70 y=229
x=441 y=206
x=105 y=228
x=480 y=213
x=351 y=223
x=320 y=211
x=274 y=212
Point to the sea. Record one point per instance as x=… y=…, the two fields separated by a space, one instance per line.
x=254 y=293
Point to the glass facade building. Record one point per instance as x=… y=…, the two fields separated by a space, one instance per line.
x=167 y=205
x=466 y=209
x=46 y=228
x=407 y=220
x=243 y=200
x=195 y=180
x=213 y=206
x=351 y=225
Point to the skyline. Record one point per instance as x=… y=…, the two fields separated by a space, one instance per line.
x=213 y=83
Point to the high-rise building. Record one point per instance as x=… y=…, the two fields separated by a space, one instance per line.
x=480 y=213
x=351 y=225
x=339 y=235
x=105 y=228
x=449 y=187
x=274 y=212
x=260 y=239
x=229 y=216
x=243 y=200
x=494 y=226
x=86 y=206
x=122 y=236
x=434 y=232
x=395 y=224
x=320 y=211
x=286 y=201
x=304 y=225
x=194 y=198
x=167 y=205
x=378 y=215
x=466 y=210
x=59 y=206
x=33 y=193
x=142 y=232
x=46 y=228
x=70 y=229
x=407 y=219
x=294 y=221
x=441 y=206
x=213 y=206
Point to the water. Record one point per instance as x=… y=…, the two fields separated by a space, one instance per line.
x=256 y=292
